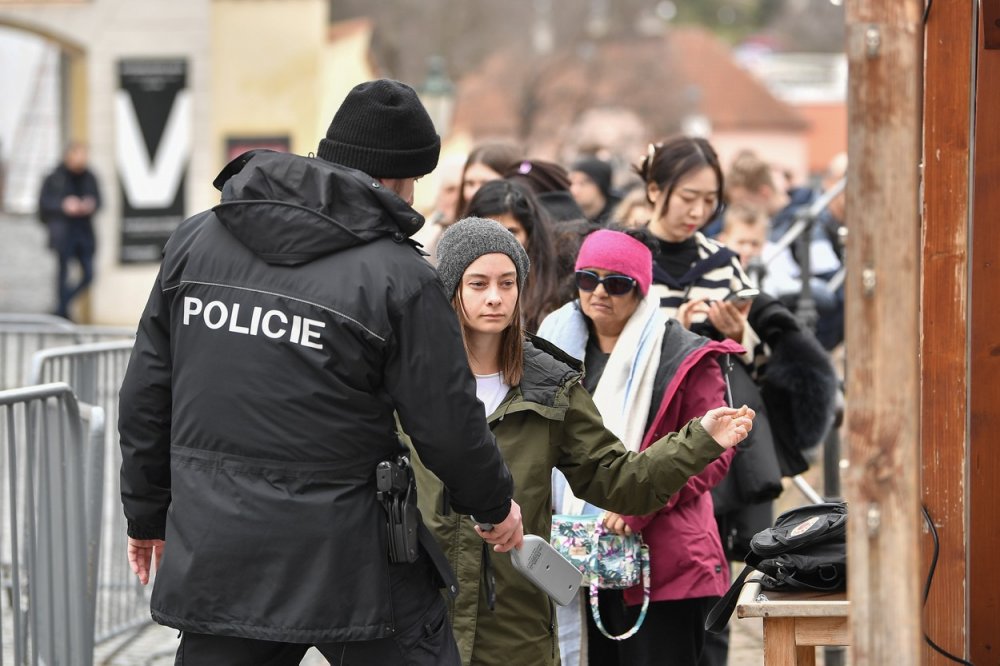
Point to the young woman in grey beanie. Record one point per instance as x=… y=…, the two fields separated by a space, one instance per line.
x=543 y=419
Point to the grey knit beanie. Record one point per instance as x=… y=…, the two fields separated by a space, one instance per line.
x=470 y=238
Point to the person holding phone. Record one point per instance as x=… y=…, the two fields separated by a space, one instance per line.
x=697 y=279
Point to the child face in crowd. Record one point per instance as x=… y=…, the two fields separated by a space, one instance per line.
x=489 y=294
x=746 y=240
x=608 y=313
x=692 y=202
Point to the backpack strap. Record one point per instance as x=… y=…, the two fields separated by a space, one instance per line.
x=719 y=616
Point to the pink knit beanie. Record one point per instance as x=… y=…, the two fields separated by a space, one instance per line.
x=616 y=251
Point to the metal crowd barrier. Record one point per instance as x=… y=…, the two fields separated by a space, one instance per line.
x=49 y=511
x=23 y=335
x=95 y=372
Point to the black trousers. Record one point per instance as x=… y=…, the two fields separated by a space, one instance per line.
x=673 y=633
x=423 y=636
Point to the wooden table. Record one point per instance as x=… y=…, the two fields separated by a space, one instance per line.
x=795 y=622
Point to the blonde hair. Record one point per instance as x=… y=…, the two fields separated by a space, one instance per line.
x=751 y=172
x=740 y=213
x=511 y=359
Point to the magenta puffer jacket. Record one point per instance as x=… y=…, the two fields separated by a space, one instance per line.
x=685 y=554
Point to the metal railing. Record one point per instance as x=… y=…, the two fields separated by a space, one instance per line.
x=23 y=335
x=95 y=373
x=50 y=473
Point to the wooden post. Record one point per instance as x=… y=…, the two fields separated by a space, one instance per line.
x=948 y=96
x=984 y=358
x=885 y=57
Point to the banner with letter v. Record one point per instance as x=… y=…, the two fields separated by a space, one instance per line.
x=153 y=138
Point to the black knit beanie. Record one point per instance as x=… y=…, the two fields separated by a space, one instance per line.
x=596 y=170
x=382 y=129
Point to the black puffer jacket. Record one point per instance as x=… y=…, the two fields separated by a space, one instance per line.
x=284 y=329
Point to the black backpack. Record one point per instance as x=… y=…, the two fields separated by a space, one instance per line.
x=806 y=549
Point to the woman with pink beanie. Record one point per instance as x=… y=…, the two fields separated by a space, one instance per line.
x=647 y=374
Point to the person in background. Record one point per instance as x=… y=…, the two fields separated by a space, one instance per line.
x=449 y=175
x=590 y=183
x=289 y=331
x=744 y=231
x=67 y=203
x=518 y=211
x=786 y=376
x=648 y=375
x=550 y=183
x=543 y=419
x=633 y=211
x=486 y=162
x=751 y=181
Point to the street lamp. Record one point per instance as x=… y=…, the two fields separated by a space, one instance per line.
x=438 y=94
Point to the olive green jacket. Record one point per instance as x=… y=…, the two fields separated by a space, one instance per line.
x=548 y=421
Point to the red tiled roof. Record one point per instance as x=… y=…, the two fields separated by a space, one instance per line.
x=662 y=79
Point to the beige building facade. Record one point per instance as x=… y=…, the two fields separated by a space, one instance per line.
x=165 y=92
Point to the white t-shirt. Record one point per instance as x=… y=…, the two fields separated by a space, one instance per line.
x=491 y=390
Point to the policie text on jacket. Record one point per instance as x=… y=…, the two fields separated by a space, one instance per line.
x=274 y=324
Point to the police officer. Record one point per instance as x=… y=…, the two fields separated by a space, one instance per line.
x=287 y=330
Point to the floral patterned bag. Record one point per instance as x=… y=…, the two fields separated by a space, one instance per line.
x=607 y=561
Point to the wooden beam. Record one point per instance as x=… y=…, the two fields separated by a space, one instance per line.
x=990 y=12
x=885 y=57
x=984 y=381
x=944 y=330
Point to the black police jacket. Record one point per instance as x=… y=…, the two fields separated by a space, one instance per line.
x=285 y=328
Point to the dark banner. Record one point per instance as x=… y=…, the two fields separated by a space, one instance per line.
x=153 y=128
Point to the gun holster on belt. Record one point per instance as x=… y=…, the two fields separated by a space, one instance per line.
x=397 y=492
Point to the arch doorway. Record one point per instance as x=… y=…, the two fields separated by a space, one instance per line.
x=43 y=79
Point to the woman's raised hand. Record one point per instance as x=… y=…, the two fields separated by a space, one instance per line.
x=728 y=426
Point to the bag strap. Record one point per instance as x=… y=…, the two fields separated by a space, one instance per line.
x=723 y=609
x=595 y=610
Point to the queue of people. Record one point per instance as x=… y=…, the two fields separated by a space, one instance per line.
x=557 y=345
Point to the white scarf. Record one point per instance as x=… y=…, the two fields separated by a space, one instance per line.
x=625 y=389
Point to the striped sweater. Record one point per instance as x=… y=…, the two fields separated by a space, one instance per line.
x=714 y=275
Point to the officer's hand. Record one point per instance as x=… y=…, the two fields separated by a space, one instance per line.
x=508 y=534
x=142 y=553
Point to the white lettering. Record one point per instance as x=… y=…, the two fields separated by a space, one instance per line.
x=233 y=326
x=255 y=321
x=192 y=308
x=308 y=334
x=275 y=324
x=149 y=182
x=223 y=315
x=266 y=324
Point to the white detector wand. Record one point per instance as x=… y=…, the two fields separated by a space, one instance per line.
x=545 y=567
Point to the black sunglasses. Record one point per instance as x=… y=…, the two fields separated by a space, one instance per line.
x=615 y=285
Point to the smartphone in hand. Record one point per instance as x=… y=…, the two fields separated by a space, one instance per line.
x=742 y=296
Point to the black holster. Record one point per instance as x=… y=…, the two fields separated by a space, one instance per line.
x=397 y=492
